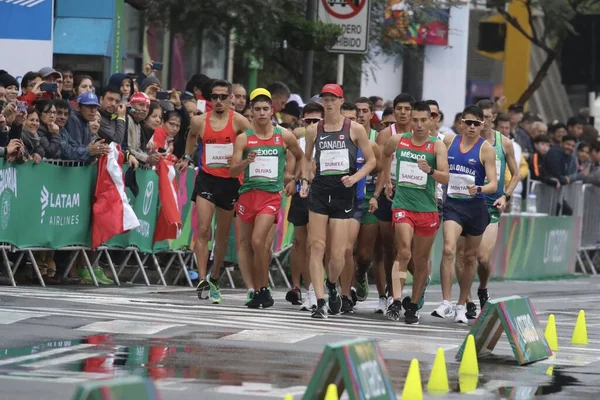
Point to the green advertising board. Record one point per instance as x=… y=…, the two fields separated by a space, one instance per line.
x=355 y=366
x=127 y=388
x=516 y=317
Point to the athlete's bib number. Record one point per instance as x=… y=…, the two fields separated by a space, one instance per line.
x=334 y=162
x=411 y=175
x=265 y=167
x=394 y=168
x=458 y=185
x=217 y=154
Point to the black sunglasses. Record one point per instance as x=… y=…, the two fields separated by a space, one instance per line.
x=470 y=122
x=434 y=114
x=221 y=97
x=311 y=121
x=387 y=123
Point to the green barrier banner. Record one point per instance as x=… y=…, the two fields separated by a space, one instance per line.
x=45 y=205
x=516 y=317
x=127 y=388
x=356 y=366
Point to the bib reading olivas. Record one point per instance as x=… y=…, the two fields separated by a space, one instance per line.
x=335 y=156
x=267 y=170
x=417 y=191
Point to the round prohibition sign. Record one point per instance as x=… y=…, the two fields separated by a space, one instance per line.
x=352 y=7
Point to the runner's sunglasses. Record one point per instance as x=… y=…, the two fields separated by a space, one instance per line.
x=221 y=97
x=310 y=121
x=471 y=122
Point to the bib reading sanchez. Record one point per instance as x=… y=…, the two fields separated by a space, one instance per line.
x=267 y=171
x=465 y=169
x=418 y=188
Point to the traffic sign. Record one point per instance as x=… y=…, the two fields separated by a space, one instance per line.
x=353 y=17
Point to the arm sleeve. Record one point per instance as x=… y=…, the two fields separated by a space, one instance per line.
x=51 y=146
x=71 y=150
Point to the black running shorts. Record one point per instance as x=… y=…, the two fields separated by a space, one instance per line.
x=222 y=192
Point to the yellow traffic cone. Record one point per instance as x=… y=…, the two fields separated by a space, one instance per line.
x=468 y=364
x=550 y=370
x=332 y=393
x=550 y=333
x=438 y=380
x=288 y=397
x=412 y=387
x=467 y=383
x=580 y=331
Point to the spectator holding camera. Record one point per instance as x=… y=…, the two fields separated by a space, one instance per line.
x=49 y=132
x=139 y=108
x=11 y=86
x=112 y=112
x=30 y=87
x=163 y=139
x=78 y=125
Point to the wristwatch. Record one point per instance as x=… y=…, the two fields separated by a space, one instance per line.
x=431 y=171
x=478 y=189
x=507 y=196
x=187 y=157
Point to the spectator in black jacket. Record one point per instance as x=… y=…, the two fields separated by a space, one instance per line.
x=560 y=163
x=113 y=124
x=537 y=162
x=524 y=134
x=49 y=132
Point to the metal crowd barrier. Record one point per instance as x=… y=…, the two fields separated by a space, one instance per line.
x=589 y=245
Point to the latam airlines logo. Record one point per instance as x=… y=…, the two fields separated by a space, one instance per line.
x=24 y=3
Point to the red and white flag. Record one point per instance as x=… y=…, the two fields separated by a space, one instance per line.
x=111 y=212
x=168 y=223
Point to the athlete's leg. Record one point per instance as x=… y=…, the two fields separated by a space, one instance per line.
x=468 y=275
x=365 y=246
x=404 y=237
x=452 y=231
x=204 y=210
x=378 y=266
x=245 y=253
x=484 y=254
x=347 y=274
x=317 y=236
x=387 y=236
x=339 y=229
x=420 y=254
x=298 y=254
x=224 y=218
x=459 y=259
x=263 y=226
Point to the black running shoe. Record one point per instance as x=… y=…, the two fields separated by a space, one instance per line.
x=393 y=311
x=267 y=299
x=411 y=315
x=347 y=307
x=353 y=296
x=256 y=300
x=320 y=312
x=294 y=296
x=335 y=301
x=484 y=296
x=405 y=302
x=202 y=287
x=471 y=310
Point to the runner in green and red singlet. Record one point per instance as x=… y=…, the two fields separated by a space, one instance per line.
x=422 y=160
x=260 y=153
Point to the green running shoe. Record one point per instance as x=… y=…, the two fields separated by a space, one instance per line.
x=214 y=293
x=362 y=287
x=101 y=277
x=421 y=302
x=249 y=297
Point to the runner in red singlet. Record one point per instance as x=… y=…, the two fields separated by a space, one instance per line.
x=214 y=188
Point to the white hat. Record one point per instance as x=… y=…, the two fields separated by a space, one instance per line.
x=296 y=97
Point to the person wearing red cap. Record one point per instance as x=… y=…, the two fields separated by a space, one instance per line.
x=263 y=149
x=214 y=187
x=336 y=141
x=139 y=106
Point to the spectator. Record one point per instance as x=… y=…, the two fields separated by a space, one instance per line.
x=112 y=112
x=540 y=128
x=124 y=82
x=575 y=127
x=189 y=102
x=537 y=163
x=557 y=131
x=95 y=126
x=150 y=86
x=78 y=125
x=515 y=114
x=11 y=150
x=560 y=163
x=29 y=136
x=67 y=84
x=593 y=175
x=583 y=157
x=589 y=135
x=163 y=139
x=49 y=132
x=82 y=84
x=239 y=97
x=136 y=141
x=201 y=85
x=50 y=75
x=70 y=149
x=524 y=134
x=30 y=87
x=153 y=121
x=10 y=84
x=247 y=113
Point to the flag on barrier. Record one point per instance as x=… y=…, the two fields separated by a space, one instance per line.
x=168 y=223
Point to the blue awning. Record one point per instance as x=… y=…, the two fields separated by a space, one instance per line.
x=83 y=36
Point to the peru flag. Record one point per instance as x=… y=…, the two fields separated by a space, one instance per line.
x=168 y=223
x=111 y=212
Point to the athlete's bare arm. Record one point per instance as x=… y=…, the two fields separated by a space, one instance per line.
x=299 y=132
x=195 y=133
x=381 y=139
x=448 y=139
x=377 y=154
x=488 y=158
x=307 y=161
x=240 y=123
x=442 y=172
x=511 y=163
x=293 y=147
x=359 y=136
x=237 y=165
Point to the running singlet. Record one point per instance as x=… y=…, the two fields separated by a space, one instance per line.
x=365 y=186
x=418 y=188
x=217 y=146
x=370 y=179
x=394 y=168
x=267 y=170
x=335 y=156
x=500 y=169
x=465 y=169
x=440 y=187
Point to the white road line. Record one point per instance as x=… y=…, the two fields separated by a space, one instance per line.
x=10 y=317
x=61 y=360
x=44 y=354
x=270 y=336
x=128 y=327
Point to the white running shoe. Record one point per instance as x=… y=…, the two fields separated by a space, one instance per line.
x=461 y=314
x=445 y=310
x=390 y=300
x=310 y=300
x=381 y=306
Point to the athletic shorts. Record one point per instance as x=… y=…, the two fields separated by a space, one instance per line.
x=256 y=202
x=472 y=216
x=384 y=209
x=425 y=224
x=222 y=192
x=367 y=217
x=359 y=211
x=494 y=214
x=298 y=213
x=440 y=207
x=338 y=206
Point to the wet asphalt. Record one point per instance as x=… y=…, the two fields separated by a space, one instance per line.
x=54 y=339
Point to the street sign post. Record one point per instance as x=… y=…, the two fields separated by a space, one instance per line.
x=353 y=17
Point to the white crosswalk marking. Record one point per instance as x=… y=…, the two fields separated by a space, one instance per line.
x=128 y=327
